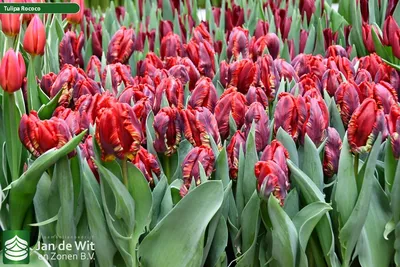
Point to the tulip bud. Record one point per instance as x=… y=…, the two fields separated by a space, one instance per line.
x=393 y=120
x=71 y=49
x=121 y=46
x=284 y=70
x=390 y=75
x=271 y=179
x=201 y=33
x=77 y=17
x=72 y=118
x=203 y=95
x=270 y=41
x=256 y=94
x=308 y=82
x=120 y=73
x=230 y=102
x=171 y=46
x=343 y=64
x=365 y=125
x=283 y=22
x=396 y=44
x=168 y=129
x=389 y=29
x=147 y=163
x=233 y=150
x=118 y=132
x=371 y=63
x=194 y=74
x=135 y=93
x=332 y=152
x=367 y=90
x=304 y=64
x=202 y=56
x=277 y=153
x=191 y=166
x=97 y=39
x=85 y=87
x=262 y=28
x=307 y=7
x=12 y=71
x=172 y=89
x=347 y=99
x=87 y=153
x=238 y=43
x=40 y=136
x=385 y=96
x=47 y=81
x=10 y=23
x=224 y=73
x=287 y=115
x=257 y=114
x=93 y=67
x=331 y=81
x=35 y=37
x=362 y=76
x=367 y=38
x=242 y=74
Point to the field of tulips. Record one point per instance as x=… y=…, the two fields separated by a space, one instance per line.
x=267 y=135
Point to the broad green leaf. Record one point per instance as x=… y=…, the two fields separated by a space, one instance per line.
x=46 y=111
x=249 y=222
x=287 y=141
x=335 y=119
x=218 y=244
x=32 y=87
x=312 y=165
x=292 y=203
x=390 y=166
x=158 y=195
x=222 y=167
x=192 y=214
x=251 y=158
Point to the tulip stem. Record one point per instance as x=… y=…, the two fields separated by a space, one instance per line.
x=125 y=171
x=356 y=160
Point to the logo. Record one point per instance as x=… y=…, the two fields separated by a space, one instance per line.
x=15 y=247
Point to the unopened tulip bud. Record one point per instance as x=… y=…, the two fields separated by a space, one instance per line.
x=332 y=152
x=233 y=150
x=121 y=46
x=35 y=37
x=12 y=71
x=168 y=129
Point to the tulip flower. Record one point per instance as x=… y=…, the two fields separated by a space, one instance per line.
x=97 y=39
x=171 y=46
x=331 y=81
x=165 y=27
x=389 y=29
x=285 y=70
x=362 y=76
x=180 y=72
x=201 y=33
x=332 y=152
x=40 y=136
x=304 y=64
x=238 y=43
x=85 y=87
x=70 y=51
x=35 y=37
x=233 y=17
x=203 y=95
x=135 y=93
x=194 y=74
x=47 y=81
x=242 y=74
x=385 y=96
x=170 y=88
x=271 y=179
x=267 y=76
x=12 y=71
x=277 y=153
x=121 y=46
x=232 y=103
x=224 y=73
x=371 y=63
x=390 y=75
x=199 y=125
x=308 y=82
x=270 y=41
x=257 y=114
x=313 y=119
x=10 y=23
x=118 y=132
x=93 y=67
x=77 y=17
x=283 y=22
x=233 y=150
x=256 y=94
x=202 y=56
x=367 y=38
x=71 y=117
x=287 y=115
x=366 y=90
x=191 y=166
x=147 y=163
x=347 y=99
x=87 y=153
x=119 y=74
x=393 y=120
x=366 y=123
x=168 y=129
x=262 y=28
x=396 y=44
x=343 y=64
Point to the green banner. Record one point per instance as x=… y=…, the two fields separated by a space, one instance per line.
x=35 y=8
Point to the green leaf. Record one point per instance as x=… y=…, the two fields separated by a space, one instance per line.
x=192 y=214
x=24 y=188
x=335 y=119
x=249 y=222
x=47 y=110
x=167 y=10
x=222 y=167
x=284 y=235
x=158 y=195
x=292 y=203
x=287 y=141
x=218 y=244
x=32 y=87
x=351 y=230
x=312 y=165
x=251 y=158
x=390 y=166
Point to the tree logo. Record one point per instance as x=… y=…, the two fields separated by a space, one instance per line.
x=16 y=247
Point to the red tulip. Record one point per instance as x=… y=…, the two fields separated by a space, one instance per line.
x=271 y=179
x=262 y=28
x=194 y=74
x=256 y=94
x=77 y=17
x=343 y=64
x=165 y=27
x=231 y=102
x=303 y=40
x=393 y=120
x=135 y=93
x=388 y=74
x=171 y=46
x=118 y=132
x=85 y=87
x=168 y=128
x=267 y=76
x=170 y=88
x=87 y=153
x=40 y=136
x=120 y=73
x=366 y=90
x=304 y=64
x=47 y=81
x=332 y=152
x=242 y=74
x=257 y=114
x=367 y=38
x=120 y=13
x=180 y=72
x=270 y=41
x=365 y=124
x=224 y=73
x=97 y=39
x=148 y=164
x=347 y=98
x=93 y=67
x=308 y=82
x=371 y=63
x=277 y=153
x=283 y=22
x=238 y=43
x=12 y=71
x=203 y=95
x=331 y=81
x=389 y=29
x=202 y=56
x=285 y=70
x=396 y=44
x=234 y=17
x=71 y=49
x=201 y=33
x=385 y=96
x=71 y=117
x=233 y=150
x=199 y=126
x=10 y=23
x=362 y=76
x=287 y=115
x=121 y=46
x=35 y=37
x=329 y=39
x=307 y=7
x=191 y=166
x=142 y=109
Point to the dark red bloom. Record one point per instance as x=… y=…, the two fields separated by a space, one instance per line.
x=332 y=152
x=232 y=103
x=396 y=44
x=70 y=51
x=362 y=76
x=233 y=150
x=283 y=22
x=367 y=38
x=242 y=74
x=331 y=80
x=307 y=7
x=47 y=81
x=85 y=87
x=285 y=70
x=262 y=28
x=365 y=124
x=238 y=43
x=389 y=29
x=191 y=166
x=202 y=56
x=271 y=179
x=203 y=95
x=371 y=63
x=277 y=153
x=388 y=74
x=194 y=74
x=180 y=72
x=201 y=33
x=71 y=117
x=257 y=114
x=120 y=73
x=40 y=136
x=147 y=163
x=93 y=68
x=343 y=64
x=366 y=90
x=347 y=99
x=385 y=96
x=165 y=27
x=171 y=46
x=270 y=41
x=97 y=40
x=168 y=128
x=256 y=94
x=287 y=115
x=12 y=71
x=304 y=64
x=135 y=93
x=121 y=46
x=118 y=132
x=87 y=153
x=336 y=51
x=170 y=88
x=393 y=120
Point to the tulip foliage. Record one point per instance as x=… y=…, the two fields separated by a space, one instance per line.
x=267 y=134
